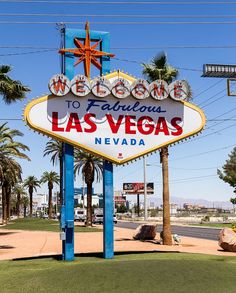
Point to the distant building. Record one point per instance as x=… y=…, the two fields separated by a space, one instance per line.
x=192 y=207
x=173 y=209
x=152 y=205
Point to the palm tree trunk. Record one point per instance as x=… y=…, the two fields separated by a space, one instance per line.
x=31 y=202
x=49 y=202
x=89 y=205
x=18 y=205
x=61 y=180
x=25 y=207
x=4 y=205
x=8 y=201
x=167 y=238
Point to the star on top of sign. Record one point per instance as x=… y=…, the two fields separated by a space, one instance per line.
x=87 y=52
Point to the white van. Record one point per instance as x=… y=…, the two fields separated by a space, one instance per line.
x=79 y=214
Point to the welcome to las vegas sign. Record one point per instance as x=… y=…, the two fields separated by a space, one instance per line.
x=118 y=127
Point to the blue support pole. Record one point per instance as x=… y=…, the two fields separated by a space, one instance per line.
x=67 y=214
x=108 y=210
x=108 y=194
x=69 y=202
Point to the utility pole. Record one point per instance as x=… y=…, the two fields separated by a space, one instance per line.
x=145 y=189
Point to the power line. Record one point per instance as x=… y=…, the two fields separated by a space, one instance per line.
x=212 y=97
x=124 y=2
x=215 y=132
x=116 y=15
x=229 y=119
x=135 y=48
x=227 y=112
x=210 y=87
x=203 y=107
x=10 y=119
x=194 y=180
x=204 y=153
x=186 y=169
x=27 y=53
x=128 y=22
x=195 y=177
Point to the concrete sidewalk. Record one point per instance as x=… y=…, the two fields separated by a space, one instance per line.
x=22 y=244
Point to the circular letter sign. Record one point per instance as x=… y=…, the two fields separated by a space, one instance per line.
x=179 y=90
x=159 y=89
x=101 y=87
x=59 y=85
x=80 y=85
x=120 y=88
x=140 y=89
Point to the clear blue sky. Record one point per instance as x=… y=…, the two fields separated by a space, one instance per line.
x=192 y=174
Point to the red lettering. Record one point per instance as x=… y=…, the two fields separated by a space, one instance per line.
x=114 y=126
x=129 y=124
x=161 y=126
x=118 y=89
x=99 y=91
x=80 y=86
x=145 y=128
x=174 y=123
x=93 y=126
x=140 y=89
x=73 y=123
x=178 y=90
x=55 y=126
x=158 y=91
x=59 y=85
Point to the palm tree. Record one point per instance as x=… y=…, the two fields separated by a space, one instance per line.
x=50 y=178
x=31 y=182
x=54 y=148
x=25 y=203
x=90 y=166
x=160 y=69
x=10 y=170
x=11 y=90
x=19 y=191
x=8 y=146
x=10 y=176
x=233 y=201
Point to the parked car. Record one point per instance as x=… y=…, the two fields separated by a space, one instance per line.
x=98 y=219
x=45 y=216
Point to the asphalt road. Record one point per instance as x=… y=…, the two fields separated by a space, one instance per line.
x=197 y=232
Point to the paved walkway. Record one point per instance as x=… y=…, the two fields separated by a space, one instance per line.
x=19 y=244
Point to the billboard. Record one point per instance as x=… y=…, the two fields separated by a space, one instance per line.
x=138 y=188
x=219 y=70
x=117 y=128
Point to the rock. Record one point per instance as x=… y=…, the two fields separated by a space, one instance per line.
x=227 y=239
x=145 y=232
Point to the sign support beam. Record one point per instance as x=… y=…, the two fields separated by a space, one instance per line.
x=108 y=194
x=108 y=210
x=68 y=174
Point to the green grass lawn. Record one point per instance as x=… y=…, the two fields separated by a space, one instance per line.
x=139 y=273
x=43 y=225
x=214 y=225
